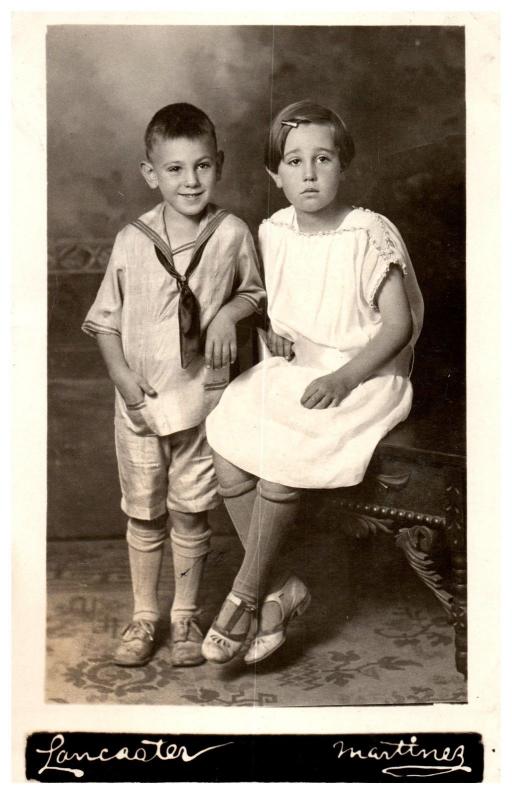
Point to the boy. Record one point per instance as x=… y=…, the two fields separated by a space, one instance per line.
x=178 y=281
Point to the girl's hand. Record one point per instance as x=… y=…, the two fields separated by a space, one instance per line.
x=279 y=346
x=220 y=347
x=327 y=391
x=133 y=387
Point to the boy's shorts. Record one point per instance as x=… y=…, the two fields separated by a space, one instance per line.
x=160 y=473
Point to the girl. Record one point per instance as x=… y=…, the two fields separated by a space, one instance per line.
x=345 y=311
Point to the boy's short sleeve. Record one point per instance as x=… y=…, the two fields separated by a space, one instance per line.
x=250 y=284
x=384 y=250
x=104 y=316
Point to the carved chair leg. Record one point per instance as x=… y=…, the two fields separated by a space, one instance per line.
x=418 y=544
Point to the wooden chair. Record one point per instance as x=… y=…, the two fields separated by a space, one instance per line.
x=414 y=491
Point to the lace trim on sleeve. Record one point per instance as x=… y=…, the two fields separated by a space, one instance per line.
x=393 y=262
x=389 y=254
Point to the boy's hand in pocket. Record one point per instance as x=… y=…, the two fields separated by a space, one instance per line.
x=133 y=387
x=279 y=346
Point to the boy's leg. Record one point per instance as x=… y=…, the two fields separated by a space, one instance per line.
x=192 y=492
x=145 y=549
x=190 y=543
x=142 y=464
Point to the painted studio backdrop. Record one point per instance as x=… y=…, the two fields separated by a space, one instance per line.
x=401 y=92
x=375 y=632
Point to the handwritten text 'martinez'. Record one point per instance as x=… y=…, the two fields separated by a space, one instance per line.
x=148 y=750
x=409 y=758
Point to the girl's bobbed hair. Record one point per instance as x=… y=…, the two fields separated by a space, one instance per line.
x=306 y=112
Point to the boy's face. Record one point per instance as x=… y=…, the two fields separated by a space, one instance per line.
x=186 y=172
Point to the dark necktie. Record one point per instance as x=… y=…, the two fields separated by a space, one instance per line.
x=189 y=317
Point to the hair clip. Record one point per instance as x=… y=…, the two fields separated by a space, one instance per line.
x=291 y=124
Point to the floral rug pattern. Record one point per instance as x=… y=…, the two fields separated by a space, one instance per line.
x=387 y=642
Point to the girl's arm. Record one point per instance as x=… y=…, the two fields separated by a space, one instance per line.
x=132 y=386
x=329 y=390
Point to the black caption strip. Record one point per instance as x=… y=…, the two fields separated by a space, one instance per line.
x=376 y=758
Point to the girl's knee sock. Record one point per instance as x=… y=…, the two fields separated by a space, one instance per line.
x=273 y=514
x=189 y=552
x=145 y=550
x=239 y=501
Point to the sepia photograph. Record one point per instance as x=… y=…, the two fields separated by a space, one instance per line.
x=256 y=413
x=374 y=545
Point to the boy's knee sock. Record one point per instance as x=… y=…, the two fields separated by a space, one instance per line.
x=189 y=553
x=239 y=501
x=145 y=550
x=273 y=514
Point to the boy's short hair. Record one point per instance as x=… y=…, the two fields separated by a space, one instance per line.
x=305 y=111
x=176 y=121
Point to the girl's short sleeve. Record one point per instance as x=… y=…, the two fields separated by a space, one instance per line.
x=104 y=316
x=384 y=250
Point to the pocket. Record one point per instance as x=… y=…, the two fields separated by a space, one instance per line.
x=136 y=419
x=214 y=383
x=215 y=379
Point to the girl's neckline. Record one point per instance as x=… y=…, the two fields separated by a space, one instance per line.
x=293 y=224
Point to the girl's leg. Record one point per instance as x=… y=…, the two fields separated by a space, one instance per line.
x=190 y=544
x=273 y=511
x=280 y=600
x=145 y=550
x=238 y=490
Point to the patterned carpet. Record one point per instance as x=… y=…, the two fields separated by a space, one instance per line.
x=371 y=635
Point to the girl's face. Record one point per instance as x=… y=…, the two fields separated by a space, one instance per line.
x=309 y=172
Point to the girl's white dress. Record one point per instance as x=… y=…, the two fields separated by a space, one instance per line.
x=323 y=295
